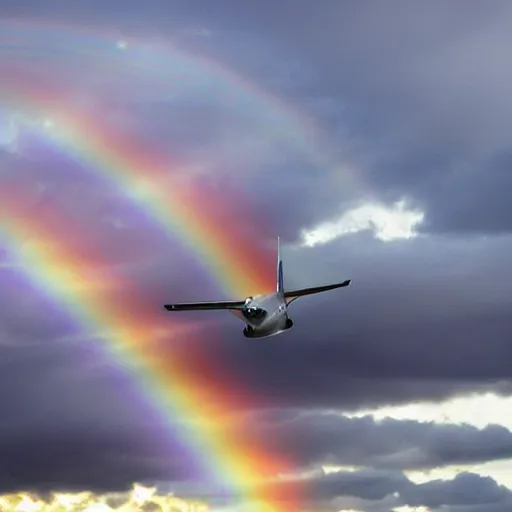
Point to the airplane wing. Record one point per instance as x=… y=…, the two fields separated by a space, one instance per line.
x=201 y=306
x=295 y=294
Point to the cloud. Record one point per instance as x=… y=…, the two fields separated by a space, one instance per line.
x=381 y=491
x=461 y=410
x=165 y=101
x=143 y=498
x=426 y=103
x=376 y=488
x=81 y=458
x=387 y=224
x=413 y=322
x=403 y=103
x=330 y=438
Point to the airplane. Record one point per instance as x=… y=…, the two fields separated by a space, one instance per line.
x=264 y=315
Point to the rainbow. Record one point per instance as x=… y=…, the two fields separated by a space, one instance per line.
x=137 y=338
x=202 y=223
x=181 y=209
x=162 y=59
x=170 y=68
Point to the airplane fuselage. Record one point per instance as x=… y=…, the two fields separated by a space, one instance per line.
x=265 y=315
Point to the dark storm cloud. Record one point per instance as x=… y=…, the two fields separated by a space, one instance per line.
x=215 y=124
x=466 y=489
x=112 y=458
x=314 y=438
x=415 y=99
x=426 y=90
x=365 y=347
x=54 y=384
x=382 y=490
x=411 y=314
x=100 y=459
x=73 y=419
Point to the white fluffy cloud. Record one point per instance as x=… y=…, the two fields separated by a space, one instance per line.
x=388 y=223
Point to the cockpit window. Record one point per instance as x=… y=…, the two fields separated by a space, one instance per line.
x=256 y=313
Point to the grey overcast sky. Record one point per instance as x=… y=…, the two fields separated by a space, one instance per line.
x=373 y=137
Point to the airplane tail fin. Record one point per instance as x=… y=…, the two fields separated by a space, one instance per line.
x=280 y=280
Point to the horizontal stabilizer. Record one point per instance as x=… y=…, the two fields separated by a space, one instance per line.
x=201 y=306
x=295 y=294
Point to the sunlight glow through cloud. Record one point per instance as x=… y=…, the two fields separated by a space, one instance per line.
x=89 y=502
x=387 y=223
x=478 y=410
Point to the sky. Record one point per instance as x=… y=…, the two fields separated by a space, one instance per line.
x=152 y=152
